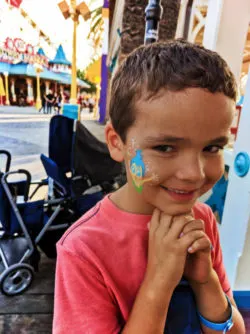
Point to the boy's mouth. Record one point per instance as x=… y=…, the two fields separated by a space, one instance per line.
x=179 y=191
x=180 y=194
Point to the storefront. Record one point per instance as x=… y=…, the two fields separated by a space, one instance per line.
x=22 y=69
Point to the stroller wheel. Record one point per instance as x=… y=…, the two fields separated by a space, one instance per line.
x=16 y=279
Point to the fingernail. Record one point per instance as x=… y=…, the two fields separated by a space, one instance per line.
x=181 y=235
x=190 y=249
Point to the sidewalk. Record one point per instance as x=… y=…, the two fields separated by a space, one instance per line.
x=23 y=114
x=25 y=132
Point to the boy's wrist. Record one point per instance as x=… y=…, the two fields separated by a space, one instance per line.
x=156 y=288
x=211 y=300
x=211 y=278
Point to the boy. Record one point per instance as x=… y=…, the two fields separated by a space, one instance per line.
x=147 y=258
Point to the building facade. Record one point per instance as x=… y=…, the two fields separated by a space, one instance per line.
x=22 y=69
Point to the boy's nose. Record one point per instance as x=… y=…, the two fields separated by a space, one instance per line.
x=191 y=170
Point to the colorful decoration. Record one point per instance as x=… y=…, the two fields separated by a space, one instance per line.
x=33 y=24
x=138 y=170
x=14 y=3
x=17 y=51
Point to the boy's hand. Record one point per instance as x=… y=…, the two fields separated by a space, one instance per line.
x=167 y=251
x=198 y=268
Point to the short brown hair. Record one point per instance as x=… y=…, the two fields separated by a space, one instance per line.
x=173 y=65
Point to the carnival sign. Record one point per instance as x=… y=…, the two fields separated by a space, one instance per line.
x=19 y=45
x=16 y=50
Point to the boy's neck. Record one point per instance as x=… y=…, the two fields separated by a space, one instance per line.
x=129 y=201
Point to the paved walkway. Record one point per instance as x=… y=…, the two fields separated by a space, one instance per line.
x=24 y=132
x=30 y=114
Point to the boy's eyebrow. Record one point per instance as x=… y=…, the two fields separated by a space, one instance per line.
x=223 y=140
x=220 y=140
x=163 y=138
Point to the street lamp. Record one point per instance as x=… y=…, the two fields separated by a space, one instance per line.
x=153 y=13
x=38 y=69
x=74 y=11
x=7 y=101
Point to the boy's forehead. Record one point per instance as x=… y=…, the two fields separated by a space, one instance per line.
x=184 y=110
x=180 y=103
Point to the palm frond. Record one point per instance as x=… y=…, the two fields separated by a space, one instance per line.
x=96 y=27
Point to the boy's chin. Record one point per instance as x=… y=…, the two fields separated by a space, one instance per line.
x=177 y=210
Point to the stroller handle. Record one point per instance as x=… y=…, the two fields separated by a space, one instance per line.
x=28 y=180
x=8 y=160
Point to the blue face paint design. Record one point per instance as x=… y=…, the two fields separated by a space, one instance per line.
x=138 y=170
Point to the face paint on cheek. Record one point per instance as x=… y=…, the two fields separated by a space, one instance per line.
x=132 y=148
x=138 y=170
x=154 y=177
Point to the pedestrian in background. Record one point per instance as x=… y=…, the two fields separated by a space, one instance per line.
x=50 y=101
x=91 y=103
x=43 y=107
x=58 y=102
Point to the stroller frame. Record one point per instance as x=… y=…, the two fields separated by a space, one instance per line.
x=18 y=275
x=38 y=184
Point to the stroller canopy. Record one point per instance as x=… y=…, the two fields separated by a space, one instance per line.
x=92 y=157
x=80 y=152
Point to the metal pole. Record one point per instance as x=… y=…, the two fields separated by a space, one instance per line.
x=38 y=91
x=73 y=90
x=7 y=101
x=104 y=68
x=153 y=13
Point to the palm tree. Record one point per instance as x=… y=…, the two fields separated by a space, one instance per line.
x=169 y=20
x=134 y=23
x=96 y=27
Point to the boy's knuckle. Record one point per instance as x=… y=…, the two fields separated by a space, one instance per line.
x=199 y=234
x=165 y=220
x=201 y=222
x=193 y=235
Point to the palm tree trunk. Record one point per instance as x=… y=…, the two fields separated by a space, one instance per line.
x=134 y=23
x=169 y=19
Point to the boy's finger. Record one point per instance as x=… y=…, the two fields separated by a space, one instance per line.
x=187 y=240
x=178 y=225
x=155 y=221
x=164 y=226
x=202 y=244
x=197 y=224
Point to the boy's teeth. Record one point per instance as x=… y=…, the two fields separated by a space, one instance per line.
x=179 y=191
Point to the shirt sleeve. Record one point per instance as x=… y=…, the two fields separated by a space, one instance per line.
x=217 y=257
x=82 y=303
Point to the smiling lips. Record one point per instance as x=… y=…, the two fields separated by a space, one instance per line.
x=180 y=195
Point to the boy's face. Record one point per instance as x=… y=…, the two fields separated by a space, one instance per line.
x=179 y=137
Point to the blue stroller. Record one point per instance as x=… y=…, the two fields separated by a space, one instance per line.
x=24 y=225
x=77 y=164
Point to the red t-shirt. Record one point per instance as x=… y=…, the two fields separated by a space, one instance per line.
x=101 y=264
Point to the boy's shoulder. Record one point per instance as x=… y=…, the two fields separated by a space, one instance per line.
x=80 y=228
x=91 y=229
x=202 y=210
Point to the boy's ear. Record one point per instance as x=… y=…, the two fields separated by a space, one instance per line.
x=114 y=142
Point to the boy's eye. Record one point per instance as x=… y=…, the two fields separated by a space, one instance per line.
x=164 y=148
x=213 y=148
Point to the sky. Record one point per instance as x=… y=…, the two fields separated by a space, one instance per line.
x=50 y=20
